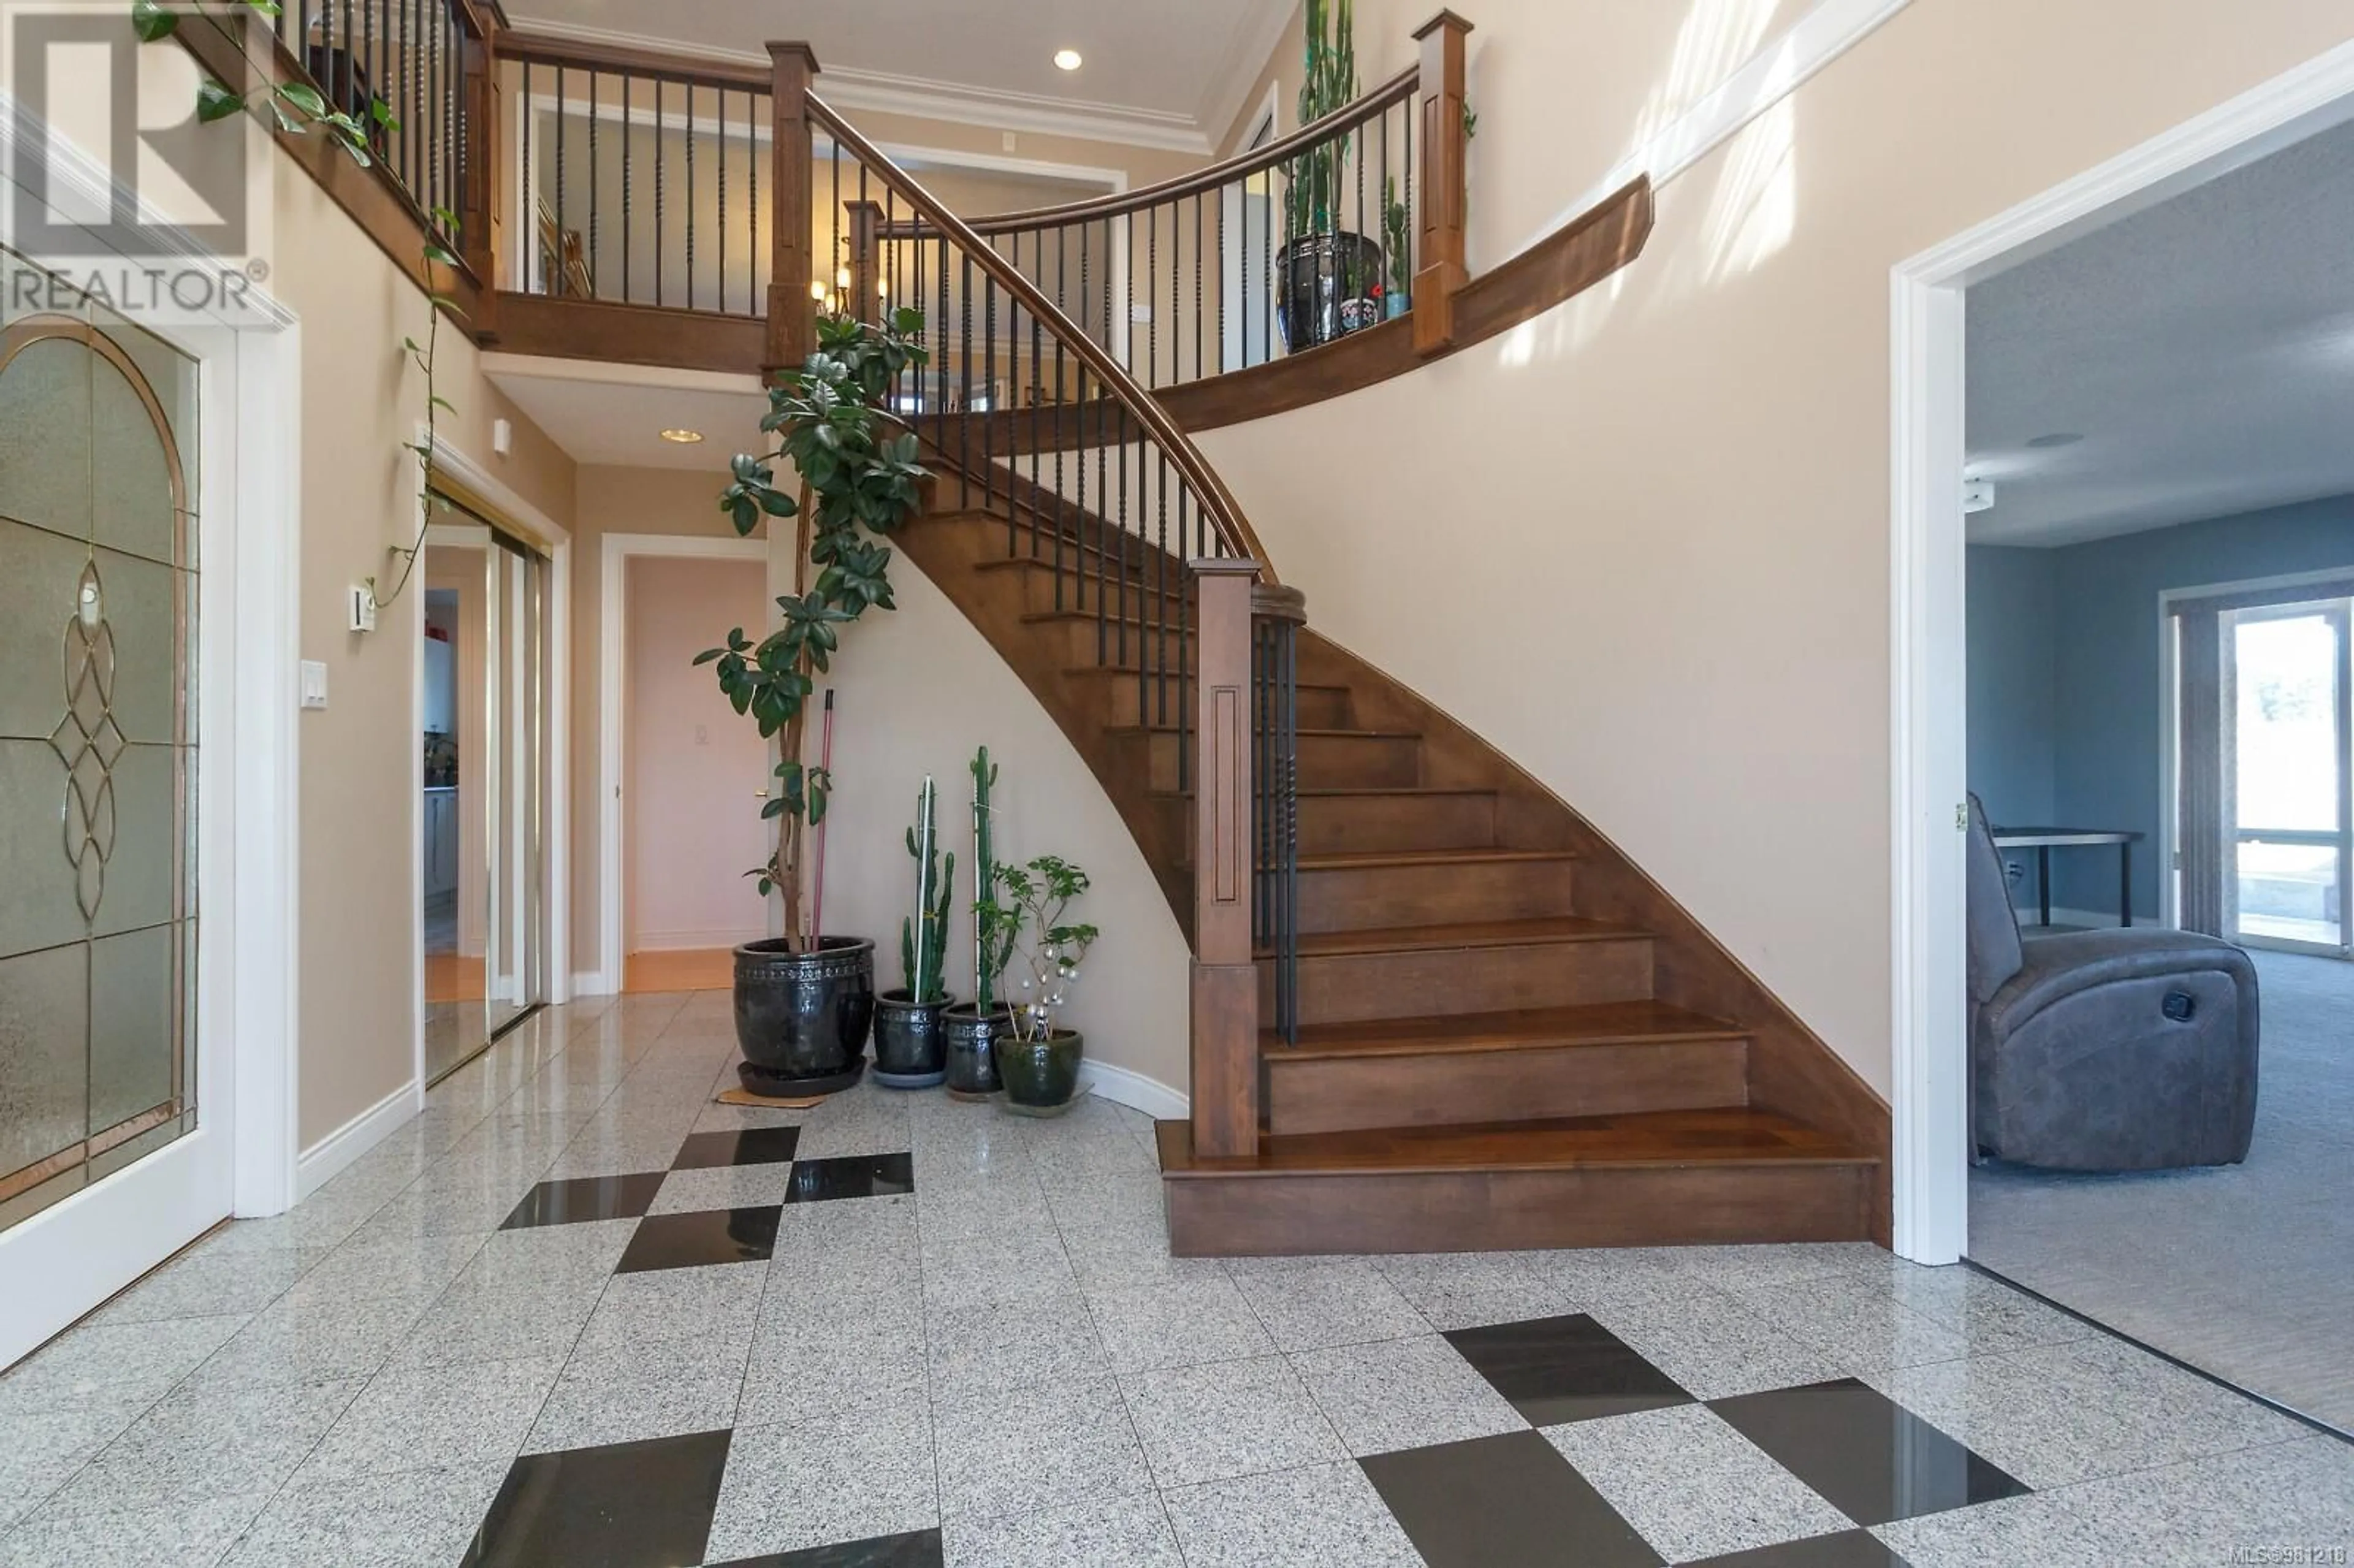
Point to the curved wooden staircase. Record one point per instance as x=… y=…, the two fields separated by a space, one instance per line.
x=1433 y=1008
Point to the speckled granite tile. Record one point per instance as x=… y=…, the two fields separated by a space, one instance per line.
x=1321 y=1514
x=1692 y=1486
x=1403 y=1393
x=861 y=1473
x=1214 y=1422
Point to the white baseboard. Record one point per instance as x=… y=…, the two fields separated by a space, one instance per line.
x=593 y=982
x=327 y=1158
x=1134 y=1090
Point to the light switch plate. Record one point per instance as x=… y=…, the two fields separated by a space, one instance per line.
x=314 y=683
x=1139 y=314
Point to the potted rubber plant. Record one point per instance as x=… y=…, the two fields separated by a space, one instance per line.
x=805 y=1000
x=1039 y=1060
x=1326 y=277
x=974 y=1031
x=911 y=1051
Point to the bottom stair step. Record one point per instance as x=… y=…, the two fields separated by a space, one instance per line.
x=1730 y=1174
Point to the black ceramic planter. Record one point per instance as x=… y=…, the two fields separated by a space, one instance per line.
x=911 y=1051
x=801 y=1018
x=972 y=1050
x=1042 y=1076
x=1324 y=287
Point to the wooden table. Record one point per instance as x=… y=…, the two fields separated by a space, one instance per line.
x=2043 y=841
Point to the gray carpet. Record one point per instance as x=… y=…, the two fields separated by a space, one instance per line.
x=2246 y=1271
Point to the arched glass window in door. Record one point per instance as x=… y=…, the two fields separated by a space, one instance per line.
x=98 y=734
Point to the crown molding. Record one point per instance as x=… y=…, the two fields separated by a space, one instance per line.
x=884 y=92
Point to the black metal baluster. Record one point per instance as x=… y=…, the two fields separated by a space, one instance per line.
x=1121 y=639
x=752 y=206
x=596 y=178
x=530 y=223
x=989 y=396
x=1413 y=227
x=964 y=403
x=563 y=280
x=1160 y=589
x=628 y=165
x=1184 y=663
x=1037 y=397
x=1222 y=278
x=1128 y=304
x=1197 y=287
x=723 y=194
x=1013 y=374
x=690 y=195
x=1152 y=296
x=661 y=195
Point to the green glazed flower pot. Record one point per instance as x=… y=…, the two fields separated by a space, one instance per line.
x=1041 y=1076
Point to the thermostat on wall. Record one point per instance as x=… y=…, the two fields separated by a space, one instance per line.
x=363 y=609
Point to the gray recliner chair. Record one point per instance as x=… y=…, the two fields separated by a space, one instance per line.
x=2114 y=1050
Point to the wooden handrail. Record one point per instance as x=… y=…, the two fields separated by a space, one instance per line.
x=1224 y=512
x=1399 y=89
x=549 y=48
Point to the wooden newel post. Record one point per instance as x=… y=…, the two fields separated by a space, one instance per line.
x=792 y=315
x=1438 y=101
x=1225 y=977
x=480 y=206
x=865 y=249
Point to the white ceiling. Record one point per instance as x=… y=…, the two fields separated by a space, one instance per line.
x=1154 y=73
x=613 y=415
x=2203 y=348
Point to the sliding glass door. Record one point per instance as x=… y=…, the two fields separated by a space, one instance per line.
x=481 y=869
x=2286 y=684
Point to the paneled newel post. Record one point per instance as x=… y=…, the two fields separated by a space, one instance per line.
x=479 y=226
x=792 y=315
x=1224 y=979
x=865 y=226
x=1438 y=105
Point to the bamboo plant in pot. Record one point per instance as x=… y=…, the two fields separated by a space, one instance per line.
x=1039 y=1060
x=974 y=1032
x=804 y=1001
x=1327 y=278
x=911 y=1051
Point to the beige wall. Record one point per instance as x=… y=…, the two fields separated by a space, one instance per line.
x=357 y=886
x=695 y=767
x=1668 y=499
x=616 y=500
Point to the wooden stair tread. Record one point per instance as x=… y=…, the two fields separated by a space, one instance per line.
x=1379 y=860
x=1465 y=934
x=1304 y=733
x=1715 y=1136
x=1593 y=1023
x=1364 y=792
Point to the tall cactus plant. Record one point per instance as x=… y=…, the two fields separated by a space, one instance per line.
x=995 y=925
x=1328 y=80
x=924 y=936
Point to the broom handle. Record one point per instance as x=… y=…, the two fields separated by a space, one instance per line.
x=817 y=894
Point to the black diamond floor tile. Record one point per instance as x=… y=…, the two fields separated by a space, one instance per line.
x=691 y=1240
x=743 y=1146
x=1556 y=1370
x=585 y=1198
x=917 y=1549
x=1846 y=1549
x=626 y=1505
x=1511 y=1499
x=852 y=1176
x=1873 y=1458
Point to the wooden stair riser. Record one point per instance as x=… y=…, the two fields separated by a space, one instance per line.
x=1486 y=1211
x=1110 y=695
x=1338 y=988
x=1333 y=1093
x=1076 y=640
x=1044 y=589
x=1326 y=761
x=1344 y=824
x=1357 y=899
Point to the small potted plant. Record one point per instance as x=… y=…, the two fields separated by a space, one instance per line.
x=974 y=1032
x=910 y=1052
x=1039 y=1060
x=805 y=1000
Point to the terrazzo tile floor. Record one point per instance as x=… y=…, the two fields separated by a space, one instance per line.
x=578 y=1315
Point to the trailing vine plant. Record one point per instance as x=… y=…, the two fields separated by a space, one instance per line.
x=858 y=480
x=298 y=108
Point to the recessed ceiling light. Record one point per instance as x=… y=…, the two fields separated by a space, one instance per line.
x=2056 y=438
x=1067 y=59
x=683 y=438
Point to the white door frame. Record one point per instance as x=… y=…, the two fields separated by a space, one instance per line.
x=240 y=1157
x=1928 y=711
x=614 y=669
